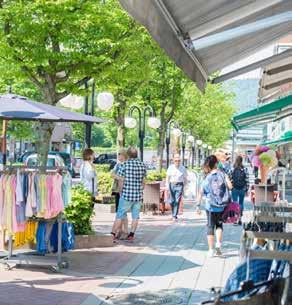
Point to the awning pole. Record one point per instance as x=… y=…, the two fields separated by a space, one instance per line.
x=233 y=145
x=4 y=133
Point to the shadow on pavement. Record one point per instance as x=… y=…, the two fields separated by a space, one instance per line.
x=21 y=293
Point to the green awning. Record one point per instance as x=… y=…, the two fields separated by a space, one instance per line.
x=267 y=113
x=286 y=138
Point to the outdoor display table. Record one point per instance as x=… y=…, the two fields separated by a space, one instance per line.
x=151 y=196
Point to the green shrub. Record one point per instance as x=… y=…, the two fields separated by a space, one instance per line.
x=104 y=168
x=105 y=183
x=80 y=210
x=153 y=175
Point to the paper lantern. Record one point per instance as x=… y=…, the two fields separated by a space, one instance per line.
x=105 y=101
x=130 y=122
x=154 y=122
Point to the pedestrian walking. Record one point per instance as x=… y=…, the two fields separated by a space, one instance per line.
x=132 y=173
x=88 y=175
x=215 y=195
x=240 y=181
x=176 y=179
x=117 y=189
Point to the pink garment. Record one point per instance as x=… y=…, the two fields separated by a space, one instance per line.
x=3 y=222
x=57 y=199
x=31 y=197
x=50 y=199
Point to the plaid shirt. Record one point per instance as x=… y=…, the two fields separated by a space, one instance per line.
x=134 y=172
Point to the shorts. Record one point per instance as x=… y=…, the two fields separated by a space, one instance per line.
x=125 y=205
x=214 y=221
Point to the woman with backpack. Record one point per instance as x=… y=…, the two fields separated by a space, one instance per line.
x=240 y=182
x=215 y=194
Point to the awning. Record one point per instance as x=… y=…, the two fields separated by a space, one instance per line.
x=203 y=37
x=286 y=138
x=15 y=107
x=267 y=113
x=276 y=80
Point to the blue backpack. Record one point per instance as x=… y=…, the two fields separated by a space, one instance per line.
x=218 y=195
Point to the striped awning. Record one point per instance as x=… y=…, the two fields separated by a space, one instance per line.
x=273 y=111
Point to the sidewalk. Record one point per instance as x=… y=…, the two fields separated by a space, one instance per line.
x=166 y=265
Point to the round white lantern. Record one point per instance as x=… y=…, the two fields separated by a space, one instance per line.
x=130 y=122
x=72 y=101
x=199 y=142
x=204 y=145
x=105 y=101
x=176 y=132
x=190 y=139
x=154 y=122
x=209 y=147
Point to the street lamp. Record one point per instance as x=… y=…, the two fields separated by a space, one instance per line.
x=205 y=146
x=176 y=132
x=183 y=146
x=152 y=122
x=199 y=143
x=191 y=140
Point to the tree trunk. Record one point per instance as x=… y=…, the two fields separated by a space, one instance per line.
x=45 y=130
x=120 y=120
x=161 y=144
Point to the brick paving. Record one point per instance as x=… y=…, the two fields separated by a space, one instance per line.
x=166 y=265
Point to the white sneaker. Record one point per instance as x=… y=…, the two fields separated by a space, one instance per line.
x=211 y=253
x=218 y=251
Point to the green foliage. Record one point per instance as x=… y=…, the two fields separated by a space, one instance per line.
x=102 y=168
x=105 y=183
x=207 y=115
x=80 y=211
x=154 y=175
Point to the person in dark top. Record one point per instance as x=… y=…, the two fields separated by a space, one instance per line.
x=240 y=182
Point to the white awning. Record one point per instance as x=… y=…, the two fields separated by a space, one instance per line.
x=203 y=37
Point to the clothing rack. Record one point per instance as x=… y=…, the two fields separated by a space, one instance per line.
x=33 y=259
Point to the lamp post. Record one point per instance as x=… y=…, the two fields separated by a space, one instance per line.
x=199 y=143
x=191 y=140
x=205 y=146
x=153 y=122
x=167 y=139
x=183 y=146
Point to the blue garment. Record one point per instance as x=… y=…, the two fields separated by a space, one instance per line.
x=25 y=186
x=47 y=237
x=41 y=246
x=176 y=192
x=68 y=237
x=206 y=192
x=259 y=272
x=66 y=188
x=238 y=196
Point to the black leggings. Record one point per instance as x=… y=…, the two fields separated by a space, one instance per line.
x=214 y=222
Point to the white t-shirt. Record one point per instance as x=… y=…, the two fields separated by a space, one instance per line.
x=176 y=174
x=88 y=177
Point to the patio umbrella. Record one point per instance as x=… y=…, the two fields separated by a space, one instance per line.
x=16 y=107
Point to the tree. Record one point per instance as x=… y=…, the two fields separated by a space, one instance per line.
x=207 y=115
x=58 y=45
x=164 y=93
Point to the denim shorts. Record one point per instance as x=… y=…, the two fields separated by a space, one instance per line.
x=125 y=206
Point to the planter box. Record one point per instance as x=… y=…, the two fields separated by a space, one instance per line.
x=151 y=196
x=93 y=241
x=104 y=208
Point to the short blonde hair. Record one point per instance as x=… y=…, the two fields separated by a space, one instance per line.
x=123 y=152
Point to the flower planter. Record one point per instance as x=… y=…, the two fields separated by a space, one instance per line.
x=93 y=241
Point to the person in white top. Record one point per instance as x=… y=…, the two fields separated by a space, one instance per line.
x=176 y=179
x=88 y=173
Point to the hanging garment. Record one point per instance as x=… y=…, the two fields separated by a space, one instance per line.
x=27 y=236
x=66 y=188
x=68 y=237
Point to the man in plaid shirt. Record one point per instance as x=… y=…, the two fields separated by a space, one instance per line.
x=132 y=173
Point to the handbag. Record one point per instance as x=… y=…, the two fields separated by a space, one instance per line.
x=231 y=213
